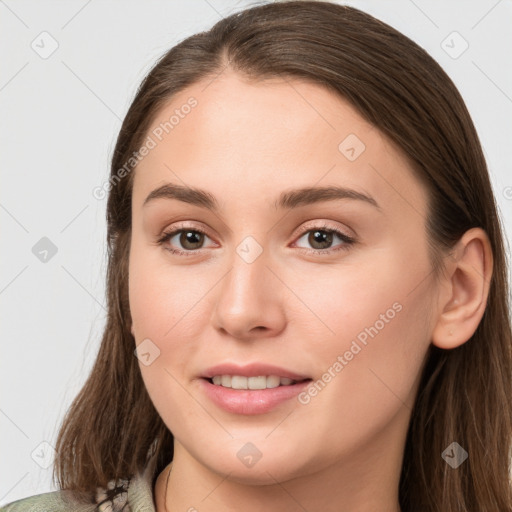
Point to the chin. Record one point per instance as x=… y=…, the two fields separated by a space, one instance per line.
x=260 y=474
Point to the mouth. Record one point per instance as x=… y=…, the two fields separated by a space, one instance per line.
x=253 y=388
x=243 y=395
x=260 y=382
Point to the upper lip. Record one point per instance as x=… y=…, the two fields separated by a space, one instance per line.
x=251 y=370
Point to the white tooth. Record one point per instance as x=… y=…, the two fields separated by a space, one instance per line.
x=242 y=382
x=237 y=382
x=272 y=381
x=257 y=382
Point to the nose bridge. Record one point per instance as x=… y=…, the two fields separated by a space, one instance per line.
x=249 y=269
x=249 y=295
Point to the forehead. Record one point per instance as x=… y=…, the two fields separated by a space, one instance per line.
x=248 y=139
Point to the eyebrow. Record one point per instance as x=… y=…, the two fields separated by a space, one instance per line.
x=287 y=200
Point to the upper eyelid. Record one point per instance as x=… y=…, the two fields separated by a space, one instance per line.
x=310 y=225
x=322 y=225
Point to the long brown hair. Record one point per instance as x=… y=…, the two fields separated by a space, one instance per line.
x=465 y=394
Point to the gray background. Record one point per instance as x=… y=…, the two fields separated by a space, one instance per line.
x=60 y=118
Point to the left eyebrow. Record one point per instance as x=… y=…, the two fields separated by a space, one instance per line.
x=287 y=200
x=309 y=195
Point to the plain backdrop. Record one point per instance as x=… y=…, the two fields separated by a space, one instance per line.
x=69 y=72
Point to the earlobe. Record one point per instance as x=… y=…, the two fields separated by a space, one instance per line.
x=465 y=290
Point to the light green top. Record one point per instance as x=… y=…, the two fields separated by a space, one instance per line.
x=132 y=495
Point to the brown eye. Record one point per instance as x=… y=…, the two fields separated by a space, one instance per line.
x=190 y=239
x=321 y=237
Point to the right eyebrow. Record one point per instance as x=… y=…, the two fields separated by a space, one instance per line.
x=186 y=194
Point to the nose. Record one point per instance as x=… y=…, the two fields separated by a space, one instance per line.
x=250 y=300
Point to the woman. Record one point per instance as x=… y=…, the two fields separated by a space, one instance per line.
x=307 y=287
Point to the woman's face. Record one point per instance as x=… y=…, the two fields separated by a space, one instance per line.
x=334 y=287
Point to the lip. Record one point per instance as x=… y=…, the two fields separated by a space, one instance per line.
x=250 y=402
x=251 y=370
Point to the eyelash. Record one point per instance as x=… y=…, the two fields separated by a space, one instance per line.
x=347 y=241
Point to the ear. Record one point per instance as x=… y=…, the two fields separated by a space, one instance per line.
x=464 y=290
x=131 y=329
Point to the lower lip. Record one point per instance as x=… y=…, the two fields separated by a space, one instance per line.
x=250 y=401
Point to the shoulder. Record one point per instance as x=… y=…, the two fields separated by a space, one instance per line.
x=122 y=495
x=111 y=499
x=55 y=501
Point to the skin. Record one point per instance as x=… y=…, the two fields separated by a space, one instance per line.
x=246 y=142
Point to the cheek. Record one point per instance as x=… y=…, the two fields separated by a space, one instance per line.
x=165 y=326
x=168 y=305
x=372 y=297
x=369 y=364
x=162 y=297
